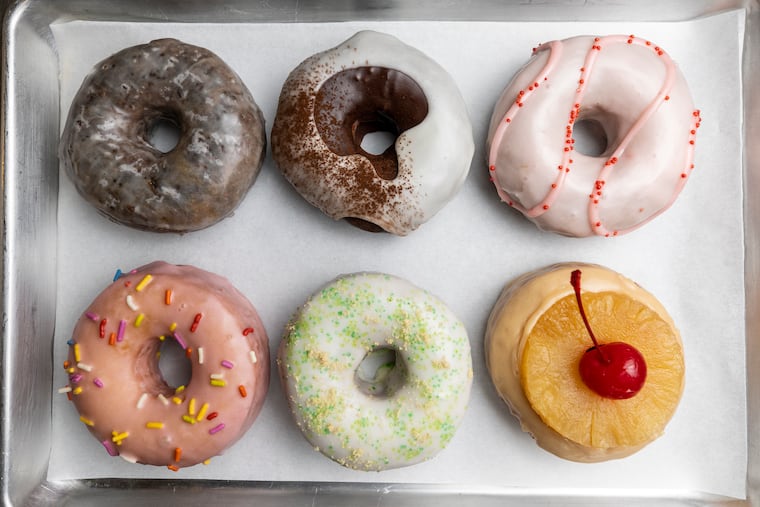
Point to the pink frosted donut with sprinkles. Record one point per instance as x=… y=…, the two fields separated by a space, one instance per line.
x=634 y=100
x=114 y=378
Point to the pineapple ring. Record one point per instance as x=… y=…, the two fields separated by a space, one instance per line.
x=534 y=341
x=412 y=410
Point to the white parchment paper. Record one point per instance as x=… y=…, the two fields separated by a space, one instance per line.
x=277 y=250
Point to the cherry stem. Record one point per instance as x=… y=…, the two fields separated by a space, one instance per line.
x=575 y=281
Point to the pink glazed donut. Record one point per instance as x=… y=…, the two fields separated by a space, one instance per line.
x=117 y=387
x=627 y=87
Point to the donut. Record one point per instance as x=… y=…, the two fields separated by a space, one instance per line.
x=370 y=83
x=402 y=413
x=106 y=144
x=535 y=345
x=115 y=383
x=631 y=97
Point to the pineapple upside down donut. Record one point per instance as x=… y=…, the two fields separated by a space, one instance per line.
x=628 y=91
x=373 y=83
x=538 y=351
x=115 y=382
x=377 y=372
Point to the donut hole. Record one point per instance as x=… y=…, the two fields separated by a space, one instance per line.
x=375 y=143
x=381 y=373
x=163 y=132
x=590 y=137
x=363 y=110
x=173 y=364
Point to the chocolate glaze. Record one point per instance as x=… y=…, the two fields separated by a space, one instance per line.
x=356 y=102
x=106 y=151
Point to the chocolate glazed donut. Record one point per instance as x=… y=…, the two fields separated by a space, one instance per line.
x=106 y=145
x=329 y=104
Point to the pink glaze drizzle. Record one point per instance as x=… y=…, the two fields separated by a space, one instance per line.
x=555 y=48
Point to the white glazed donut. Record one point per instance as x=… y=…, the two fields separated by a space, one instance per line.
x=411 y=409
x=634 y=92
x=373 y=83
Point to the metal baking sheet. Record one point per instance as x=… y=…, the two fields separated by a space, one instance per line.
x=30 y=114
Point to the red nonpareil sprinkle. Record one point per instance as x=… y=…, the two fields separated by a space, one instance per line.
x=66 y=365
x=127 y=283
x=189 y=352
x=243 y=392
x=508 y=120
x=545 y=206
x=102 y=329
x=247 y=331
x=667 y=97
x=491 y=167
x=212 y=416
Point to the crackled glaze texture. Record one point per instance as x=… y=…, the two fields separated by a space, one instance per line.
x=373 y=82
x=635 y=93
x=106 y=148
x=327 y=341
x=117 y=387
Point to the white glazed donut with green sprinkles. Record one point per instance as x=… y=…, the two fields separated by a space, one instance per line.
x=377 y=371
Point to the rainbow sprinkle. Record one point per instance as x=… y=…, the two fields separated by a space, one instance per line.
x=243 y=392
x=200 y=355
x=131 y=302
x=153 y=425
x=97 y=382
x=139 y=319
x=64 y=390
x=110 y=449
x=144 y=282
x=141 y=401
x=162 y=399
x=77 y=390
x=188 y=419
x=253 y=356
x=92 y=316
x=77 y=353
x=122 y=328
x=228 y=364
x=180 y=340
x=216 y=429
x=202 y=412
x=217 y=382
x=117 y=275
x=117 y=437
x=84 y=366
x=88 y=422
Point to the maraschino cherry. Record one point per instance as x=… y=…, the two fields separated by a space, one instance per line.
x=614 y=370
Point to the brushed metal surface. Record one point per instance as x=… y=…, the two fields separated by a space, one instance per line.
x=29 y=121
